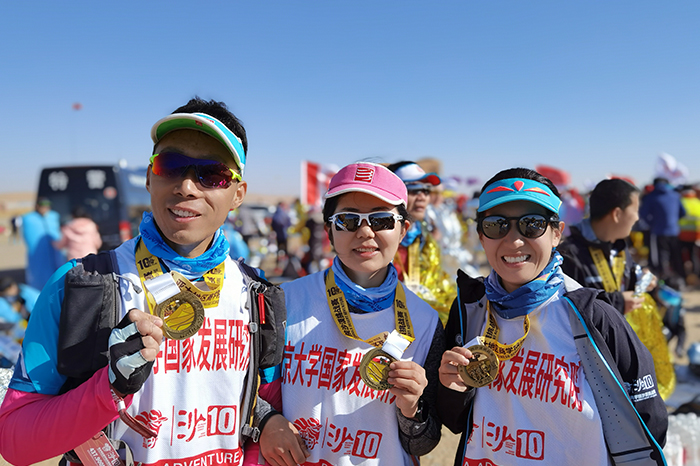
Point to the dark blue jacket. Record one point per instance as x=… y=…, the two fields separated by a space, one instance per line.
x=661 y=209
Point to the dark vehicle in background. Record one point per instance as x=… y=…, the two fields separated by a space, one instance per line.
x=114 y=196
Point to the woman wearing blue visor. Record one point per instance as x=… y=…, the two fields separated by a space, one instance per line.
x=542 y=371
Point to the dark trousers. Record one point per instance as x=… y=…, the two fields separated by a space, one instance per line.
x=665 y=258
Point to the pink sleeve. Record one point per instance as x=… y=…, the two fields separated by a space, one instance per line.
x=272 y=393
x=36 y=427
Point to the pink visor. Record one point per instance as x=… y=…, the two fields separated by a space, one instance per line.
x=370 y=178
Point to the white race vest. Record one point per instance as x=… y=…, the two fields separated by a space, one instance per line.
x=342 y=421
x=193 y=396
x=540 y=410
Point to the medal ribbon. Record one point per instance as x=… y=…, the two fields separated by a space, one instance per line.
x=490 y=337
x=341 y=313
x=149 y=268
x=411 y=271
x=612 y=279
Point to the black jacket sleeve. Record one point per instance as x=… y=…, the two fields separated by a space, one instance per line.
x=419 y=436
x=453 y=407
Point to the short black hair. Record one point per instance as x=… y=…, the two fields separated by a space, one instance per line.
x=609 y=195
x=396 y=165
x=527 y=174
x=220 y=111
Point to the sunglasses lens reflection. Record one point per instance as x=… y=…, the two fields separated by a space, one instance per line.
x=210 y=173
x=530 y=226
x=351 y=222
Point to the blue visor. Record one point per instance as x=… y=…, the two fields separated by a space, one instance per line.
x=518 y=189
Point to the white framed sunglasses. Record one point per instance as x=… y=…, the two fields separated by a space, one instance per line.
x=351 y=221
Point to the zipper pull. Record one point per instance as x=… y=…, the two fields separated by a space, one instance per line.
x=261 y=307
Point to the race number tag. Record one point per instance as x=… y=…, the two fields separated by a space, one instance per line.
x=98 y=451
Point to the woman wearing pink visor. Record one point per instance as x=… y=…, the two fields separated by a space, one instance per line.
x=541 y=371
x=359 y=379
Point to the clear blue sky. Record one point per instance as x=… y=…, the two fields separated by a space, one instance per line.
x=592 y=87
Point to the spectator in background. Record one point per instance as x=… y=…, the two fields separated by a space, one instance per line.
x=40 y=229
x=418 y=259
x=16 y=300
x=599 y=242
x=238 y=246
x=662 y=210
x=448 y=232
x=312 y=261
x=280 y=223
x=16 y=304
x=80 y=236
x=690 y=234
x=16 y=226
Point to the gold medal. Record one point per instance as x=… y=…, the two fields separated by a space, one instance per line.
x=173 y=298
x=374 y=369
x=482 y=368
x=182 y=314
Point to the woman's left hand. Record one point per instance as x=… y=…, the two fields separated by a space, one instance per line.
x=409 y=381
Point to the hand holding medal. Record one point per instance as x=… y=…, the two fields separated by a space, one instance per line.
x=375 y=365
x=181 y=311
x=483 y=365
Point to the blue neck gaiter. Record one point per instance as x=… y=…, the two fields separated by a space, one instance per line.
x=529 y=296
x=190 y=267
x=366 y=299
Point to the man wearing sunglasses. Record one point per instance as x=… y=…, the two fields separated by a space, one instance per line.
x=186 y=389
x=418 y=259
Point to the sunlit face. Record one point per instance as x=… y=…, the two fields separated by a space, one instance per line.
x=627 y=217
x=366 y=253
x=518 y=260
x=187 y=213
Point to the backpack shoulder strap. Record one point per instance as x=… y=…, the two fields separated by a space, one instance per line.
x=250 y=389
x=89 y=311
x=104 y=262
x=268 y=319
x=626 y=435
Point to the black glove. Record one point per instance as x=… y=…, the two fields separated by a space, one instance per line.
x=128 y=369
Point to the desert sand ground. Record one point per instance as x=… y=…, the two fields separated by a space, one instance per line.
x=12 y=261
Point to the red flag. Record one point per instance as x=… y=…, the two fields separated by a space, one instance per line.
x=314 y=182
x=77 y=106
x=559 y=177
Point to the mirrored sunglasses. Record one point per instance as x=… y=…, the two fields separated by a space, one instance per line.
x=210 y=173
x=351 y=221
x=529 y=225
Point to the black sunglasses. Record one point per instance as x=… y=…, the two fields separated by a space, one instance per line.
x=418 y=191
x=351 y=221
x=529 y=225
